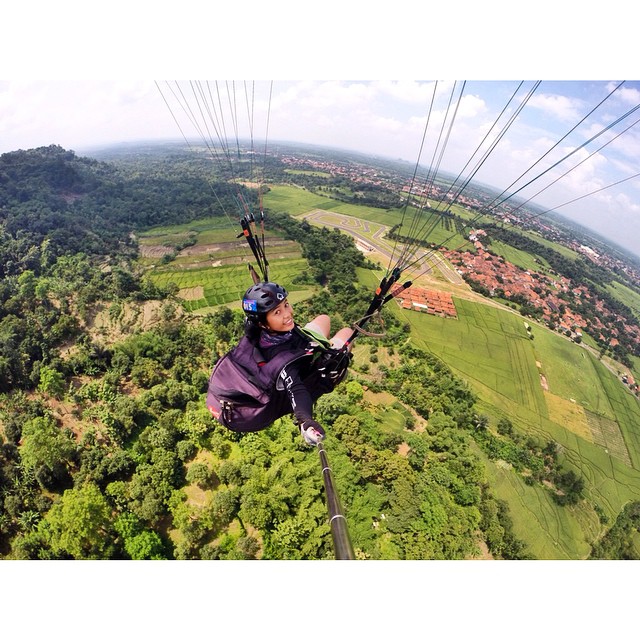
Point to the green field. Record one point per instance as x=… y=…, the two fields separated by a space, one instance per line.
x=308 y=172
x=519 y=257
x=551 y=532
x=625 y=295
x=210 y=287
x=586 y=410
x=206 y=228
x=213 y=270
x=489 y=347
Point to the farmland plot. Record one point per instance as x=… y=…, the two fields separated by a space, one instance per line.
x=212 y=269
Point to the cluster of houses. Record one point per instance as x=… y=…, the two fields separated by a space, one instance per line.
x=500 y=277
x=435 y=192
x=629 y=380
x=438 y=303
x=357 y=173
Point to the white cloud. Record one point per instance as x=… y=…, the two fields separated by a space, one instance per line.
x=627 y=145
x=408 y=91
x=472 y=106
x=560 y=107
x=79 y=113
x=627 y=94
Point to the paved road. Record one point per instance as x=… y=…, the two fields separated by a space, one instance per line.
x=380 y=244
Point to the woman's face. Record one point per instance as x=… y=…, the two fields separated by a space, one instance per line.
x=280 y=318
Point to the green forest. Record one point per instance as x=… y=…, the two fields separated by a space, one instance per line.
x=107 y=450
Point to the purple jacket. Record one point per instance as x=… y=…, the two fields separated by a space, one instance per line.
x=250 y=388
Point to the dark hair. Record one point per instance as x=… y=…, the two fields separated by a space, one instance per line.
x=252 y=330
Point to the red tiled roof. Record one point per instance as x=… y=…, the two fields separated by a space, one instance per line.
x=435 y=302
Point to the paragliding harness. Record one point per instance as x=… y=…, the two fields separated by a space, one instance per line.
x=247 y=393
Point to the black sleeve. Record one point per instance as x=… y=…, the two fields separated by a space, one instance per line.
x=299 y=396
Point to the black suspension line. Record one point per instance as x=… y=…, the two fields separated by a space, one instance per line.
x=433 y=170
x=586 y=195
x=577 y=199
x=415 y=174
x=205 y=110
x=383 y=294
x=477 y=150
x=494 y=144
x=568 y=171
x=341 y=542
x=207 y=140
x=250 y=115
x=429 y=225
x=440 y=260
x=566 y=157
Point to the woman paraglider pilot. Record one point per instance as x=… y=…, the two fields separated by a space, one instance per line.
x=278 y=367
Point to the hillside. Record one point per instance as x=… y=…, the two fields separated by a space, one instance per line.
x=108 y=450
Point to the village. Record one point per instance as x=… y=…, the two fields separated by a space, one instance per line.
x=500 y=278
x=548 y=296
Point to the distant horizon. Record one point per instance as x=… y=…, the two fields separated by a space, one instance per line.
x=586 y=230
x=86 y=150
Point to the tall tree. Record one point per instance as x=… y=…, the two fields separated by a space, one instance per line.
x=46 y=445
x=80 y=525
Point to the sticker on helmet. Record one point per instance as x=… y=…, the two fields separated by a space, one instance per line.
x=249 y=305
x=280 y=296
